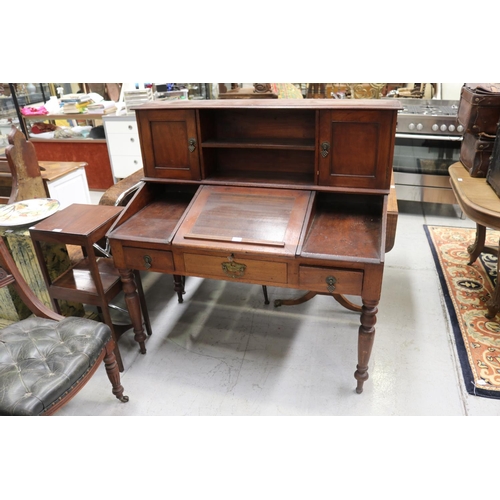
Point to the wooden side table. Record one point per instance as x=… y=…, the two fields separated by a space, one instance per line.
x=93 y=280
x=481 y=204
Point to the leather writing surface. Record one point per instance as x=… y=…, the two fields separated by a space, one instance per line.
x=246 y=219
x=227 y=215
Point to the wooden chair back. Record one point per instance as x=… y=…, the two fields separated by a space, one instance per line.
x=10 y=275
x=27 y=182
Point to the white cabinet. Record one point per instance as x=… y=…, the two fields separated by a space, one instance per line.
x=123 y=145
x=66 y=183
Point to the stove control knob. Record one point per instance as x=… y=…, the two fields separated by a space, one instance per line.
x=460 y=128
x=443 y=127
x=419 y=126
x=411 y=126
x=451 y=128
x=435 y=127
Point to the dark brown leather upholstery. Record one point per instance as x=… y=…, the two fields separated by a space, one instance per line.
x=41 y=359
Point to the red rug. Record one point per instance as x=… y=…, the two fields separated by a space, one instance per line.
x=467 y=289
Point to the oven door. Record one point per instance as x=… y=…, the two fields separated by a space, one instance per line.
x=421 y=167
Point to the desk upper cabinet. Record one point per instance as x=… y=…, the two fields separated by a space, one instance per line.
x=335 y=144
x=355 y=148
x=169 y=144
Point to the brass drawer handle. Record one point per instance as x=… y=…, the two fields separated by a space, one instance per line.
x=148 y=261
x=192 y=144
x=330 y=284
x=325 y=149
x=233 y=269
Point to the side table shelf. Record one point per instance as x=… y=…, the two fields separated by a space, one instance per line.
x=93 y=280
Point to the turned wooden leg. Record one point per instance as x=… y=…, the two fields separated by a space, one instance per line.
x=179 y=287
x=133 y=306
x=477 y=247
x=106 y=318
x=113 y=372
x=366 y=336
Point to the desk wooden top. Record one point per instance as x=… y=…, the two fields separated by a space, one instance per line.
x=77 y=220
x=475 y=196
x=50 y=170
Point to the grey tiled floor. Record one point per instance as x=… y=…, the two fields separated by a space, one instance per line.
x=223 y=352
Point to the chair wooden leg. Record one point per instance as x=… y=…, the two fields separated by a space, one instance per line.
x=113 y=372
x=106 y=316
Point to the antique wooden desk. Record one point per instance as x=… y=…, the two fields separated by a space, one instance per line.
x=289 y=193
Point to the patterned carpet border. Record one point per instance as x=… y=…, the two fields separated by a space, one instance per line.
x=466 y=290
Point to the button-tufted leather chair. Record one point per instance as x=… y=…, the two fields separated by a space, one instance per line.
x=47 y=358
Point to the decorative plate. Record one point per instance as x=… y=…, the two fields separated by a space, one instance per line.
x=27 y=211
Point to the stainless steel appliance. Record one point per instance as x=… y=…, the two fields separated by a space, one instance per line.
x=428 y=140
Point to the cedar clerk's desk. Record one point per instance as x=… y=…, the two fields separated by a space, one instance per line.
x=291 y=194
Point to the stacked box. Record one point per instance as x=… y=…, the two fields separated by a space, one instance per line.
x=133 y=98
x=479 y=114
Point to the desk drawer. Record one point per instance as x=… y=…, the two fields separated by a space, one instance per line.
x=342 y=281
x=253 y=271
x=146 y=259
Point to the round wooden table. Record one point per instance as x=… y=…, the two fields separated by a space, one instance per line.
x=480 y=203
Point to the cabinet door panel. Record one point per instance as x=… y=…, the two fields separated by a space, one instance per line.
x=356 y=148
x=170 y=146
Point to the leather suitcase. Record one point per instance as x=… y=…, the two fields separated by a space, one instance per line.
x=475 y=153
x=479 y=108
x=493 y=177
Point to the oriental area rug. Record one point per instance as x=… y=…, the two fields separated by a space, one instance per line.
x=467 y=289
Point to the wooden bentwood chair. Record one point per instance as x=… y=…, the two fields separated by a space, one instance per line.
x=46 y=359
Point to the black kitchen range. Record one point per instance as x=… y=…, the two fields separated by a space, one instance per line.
x=428 y=140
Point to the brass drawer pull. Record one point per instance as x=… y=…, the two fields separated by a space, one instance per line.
x=325 y=149
x=233 y=269
x=330 y=284
x=192 y=144
x=148 y=261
